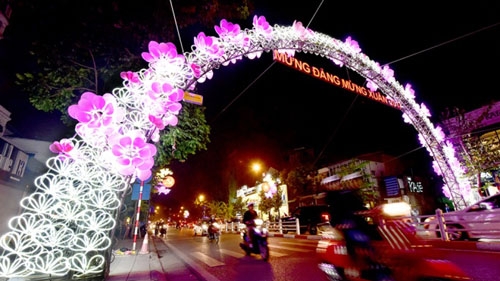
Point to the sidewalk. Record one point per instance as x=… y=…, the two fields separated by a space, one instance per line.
x=157 y=263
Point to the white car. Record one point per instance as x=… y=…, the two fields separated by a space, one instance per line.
x=480 y=220
x=201 y=229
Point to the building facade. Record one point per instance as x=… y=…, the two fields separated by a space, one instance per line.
x=21 y=161
x=476 y=137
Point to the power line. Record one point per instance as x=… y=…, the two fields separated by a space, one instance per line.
x=444 y=43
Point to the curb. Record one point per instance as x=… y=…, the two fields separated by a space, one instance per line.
x=467 y=245
x=295 y=236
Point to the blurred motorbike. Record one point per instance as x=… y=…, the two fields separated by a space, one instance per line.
x=258 y=245
x=214 y=232
x=385 y=248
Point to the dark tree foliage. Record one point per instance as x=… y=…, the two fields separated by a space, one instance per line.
x=84 y=45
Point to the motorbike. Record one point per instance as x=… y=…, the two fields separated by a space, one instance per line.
x=214 y=232
x=259 y=245
x=387 y=249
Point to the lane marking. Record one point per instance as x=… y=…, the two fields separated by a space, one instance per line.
x=198 y=270
x=289 y=248
x=207 y=259
x=232 y=253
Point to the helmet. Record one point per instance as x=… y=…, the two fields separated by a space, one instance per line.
x=250 y=204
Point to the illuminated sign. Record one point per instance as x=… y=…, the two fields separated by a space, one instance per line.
x=320 y=74
x=415 y=186
x=193 y=98
x=391 y=186
x=484 y=116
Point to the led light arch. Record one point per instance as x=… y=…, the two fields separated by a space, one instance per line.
x=65 y=227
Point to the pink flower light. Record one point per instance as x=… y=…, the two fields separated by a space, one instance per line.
x=159 y=51
x=424 y=111
x=96 y=111
x=133 y=154
x=130 y=77
x=262 y=27
x=388 y=73
x=227 y=29
x=409 y=91
x=162 y=189
x=299 y=28
x=64 y=146
x=208 y=45
x=370 y=85
x=353 y=45
x=196 y=70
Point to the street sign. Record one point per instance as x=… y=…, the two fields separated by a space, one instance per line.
x=193 y=98
x=146 y=191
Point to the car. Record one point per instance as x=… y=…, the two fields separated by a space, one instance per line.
x=309 y=217
x=201 y=228
x=480 y=220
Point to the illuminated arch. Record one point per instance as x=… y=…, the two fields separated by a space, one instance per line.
x=65 y=226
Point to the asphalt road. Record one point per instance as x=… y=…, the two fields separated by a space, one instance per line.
x=291 y=259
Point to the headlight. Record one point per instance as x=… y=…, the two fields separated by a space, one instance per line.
x=215 y=224
x=396 y=209
x=258 y=222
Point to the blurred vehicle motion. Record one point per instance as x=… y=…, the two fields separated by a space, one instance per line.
x=380 y=244
x=480 y=220
x=201 y=228
x=214 y=231
x=257 y=244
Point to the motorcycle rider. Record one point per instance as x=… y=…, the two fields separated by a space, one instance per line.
x=249 y=220
x=211 y=227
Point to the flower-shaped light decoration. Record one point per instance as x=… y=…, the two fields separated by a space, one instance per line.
x=300 y=32
x=162 y=189
x=78 y=197
x=230 y=33
x=261 y=28
x=270 y=186
x=130 y=79
x=163 y=104
x=163 y=58
x=349 y=44
x=133 y=155
x=408 y=92
x=63 y=148
x=97 y=116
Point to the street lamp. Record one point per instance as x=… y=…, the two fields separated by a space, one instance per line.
x=256 y=167
x=201 y=200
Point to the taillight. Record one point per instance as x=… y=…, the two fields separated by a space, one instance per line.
x=325 y=217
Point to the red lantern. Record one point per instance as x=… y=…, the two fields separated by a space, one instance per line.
x=169 y=181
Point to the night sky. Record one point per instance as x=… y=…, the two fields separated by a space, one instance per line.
x=260 y=110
